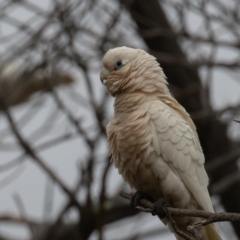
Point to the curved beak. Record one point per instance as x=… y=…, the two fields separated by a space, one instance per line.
x=104 y=74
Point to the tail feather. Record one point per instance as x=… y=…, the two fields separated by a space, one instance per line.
x=212 y=232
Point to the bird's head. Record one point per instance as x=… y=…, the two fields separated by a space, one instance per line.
x=126 y=69
x=117 y=64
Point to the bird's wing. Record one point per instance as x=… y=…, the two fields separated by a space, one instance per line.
x=178 y=144
x=175 y=140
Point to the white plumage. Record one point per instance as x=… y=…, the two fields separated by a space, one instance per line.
x=153 y=140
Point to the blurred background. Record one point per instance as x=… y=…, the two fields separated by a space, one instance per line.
x=56 y=182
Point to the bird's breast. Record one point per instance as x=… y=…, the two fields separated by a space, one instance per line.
x=131 y=144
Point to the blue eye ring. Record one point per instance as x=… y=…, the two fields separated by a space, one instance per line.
x=118 y=64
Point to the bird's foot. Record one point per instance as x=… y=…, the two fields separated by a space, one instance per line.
x=137 y=197
x=158 y=207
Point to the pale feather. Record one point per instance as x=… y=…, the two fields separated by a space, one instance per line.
x=189 y=157
x=153 y=140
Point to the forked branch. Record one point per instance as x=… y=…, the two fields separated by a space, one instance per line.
x=208 y=217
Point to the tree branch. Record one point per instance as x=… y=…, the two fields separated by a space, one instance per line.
x=237 y=120
x=209 y=217
x=30 y=151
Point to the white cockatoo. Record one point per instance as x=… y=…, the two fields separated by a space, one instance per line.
x=153 y=141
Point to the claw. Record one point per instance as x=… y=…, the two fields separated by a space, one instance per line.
x=158 y=207
x=137 y=197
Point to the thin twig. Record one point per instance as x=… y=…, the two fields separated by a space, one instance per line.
x=208 y=216
x=29 y=151
x=175 y=228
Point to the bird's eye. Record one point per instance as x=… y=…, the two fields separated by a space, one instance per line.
x=118 y=64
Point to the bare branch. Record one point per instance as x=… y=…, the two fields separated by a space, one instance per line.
x=237 y=120
x=28 y=149
x=17 y=86
x=208 y=216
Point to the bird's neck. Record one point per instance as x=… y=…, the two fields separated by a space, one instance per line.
x=130 y=102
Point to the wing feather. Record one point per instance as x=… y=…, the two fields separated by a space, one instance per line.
x=180 y=148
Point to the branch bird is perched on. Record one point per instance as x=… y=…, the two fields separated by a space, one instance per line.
x=153 y=141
